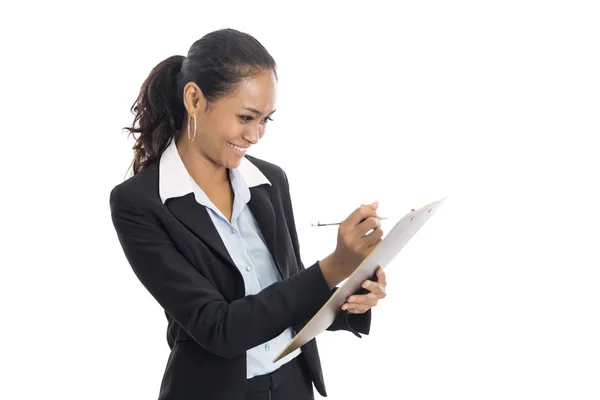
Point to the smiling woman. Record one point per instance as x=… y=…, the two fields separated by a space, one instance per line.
x=210 y=233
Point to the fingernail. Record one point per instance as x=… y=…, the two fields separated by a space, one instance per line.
x=344 y=307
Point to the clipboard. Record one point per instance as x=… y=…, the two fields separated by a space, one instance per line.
x=385 y=252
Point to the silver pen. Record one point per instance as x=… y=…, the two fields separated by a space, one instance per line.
x=337 y=223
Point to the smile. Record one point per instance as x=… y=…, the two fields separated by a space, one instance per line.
x=238 y=148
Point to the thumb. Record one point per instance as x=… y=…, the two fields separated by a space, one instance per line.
x=374 y=205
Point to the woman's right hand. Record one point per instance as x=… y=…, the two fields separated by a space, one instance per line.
x=353 y=244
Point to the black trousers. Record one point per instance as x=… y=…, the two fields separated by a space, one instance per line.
x=289 y=382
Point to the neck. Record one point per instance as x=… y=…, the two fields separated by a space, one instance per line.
x=202 y=169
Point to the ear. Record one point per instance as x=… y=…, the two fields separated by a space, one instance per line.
x=193 y=99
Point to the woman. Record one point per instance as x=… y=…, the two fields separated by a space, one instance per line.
x=210 y=232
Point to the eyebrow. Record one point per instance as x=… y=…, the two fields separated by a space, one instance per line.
x=256 y=111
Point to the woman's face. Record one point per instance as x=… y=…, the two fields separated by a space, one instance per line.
x=232 y=124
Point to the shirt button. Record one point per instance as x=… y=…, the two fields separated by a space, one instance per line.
x=267 y=346
x=232 y=231
x=248 y=268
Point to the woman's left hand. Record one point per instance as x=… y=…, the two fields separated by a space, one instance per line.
x=361 y=303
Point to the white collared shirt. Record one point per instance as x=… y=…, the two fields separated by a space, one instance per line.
x=242 y=238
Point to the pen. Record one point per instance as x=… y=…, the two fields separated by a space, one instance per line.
x=337 y=223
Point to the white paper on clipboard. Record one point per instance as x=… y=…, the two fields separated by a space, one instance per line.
x=385 y=252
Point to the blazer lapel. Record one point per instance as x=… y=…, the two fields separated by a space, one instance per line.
x=262 y=208
x=195 y=217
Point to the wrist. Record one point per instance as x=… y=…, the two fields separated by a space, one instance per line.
x=330 y=270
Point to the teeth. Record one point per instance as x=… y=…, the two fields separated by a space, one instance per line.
x=238 y=148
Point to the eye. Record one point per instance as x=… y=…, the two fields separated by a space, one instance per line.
x=248 y=118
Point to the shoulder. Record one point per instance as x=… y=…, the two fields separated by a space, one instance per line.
x=137 y=189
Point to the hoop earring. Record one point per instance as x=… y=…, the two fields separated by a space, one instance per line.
x=189 y=128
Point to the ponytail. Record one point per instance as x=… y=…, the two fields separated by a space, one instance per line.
x=159 y=113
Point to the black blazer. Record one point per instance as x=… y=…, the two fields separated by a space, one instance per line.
x=179 y=257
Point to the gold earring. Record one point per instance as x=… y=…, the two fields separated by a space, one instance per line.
x=189 y=127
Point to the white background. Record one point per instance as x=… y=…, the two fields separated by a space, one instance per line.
x=492 y=104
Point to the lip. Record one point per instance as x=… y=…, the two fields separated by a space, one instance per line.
x=239 y=153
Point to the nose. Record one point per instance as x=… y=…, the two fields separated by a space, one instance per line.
x=252 y=135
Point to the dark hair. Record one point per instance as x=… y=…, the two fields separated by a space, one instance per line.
x=216 y=63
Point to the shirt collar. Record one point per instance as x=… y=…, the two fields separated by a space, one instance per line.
x=174 y=180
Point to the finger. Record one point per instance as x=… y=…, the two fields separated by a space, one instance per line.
x=381 y=278
x=362 y=212
x=369 y=224
x=372 y=246
x=368 y=243
x=358 y=308
x=372 y=237
x=375 y=288
x=368 y=299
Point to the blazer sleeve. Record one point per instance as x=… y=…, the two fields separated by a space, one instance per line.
x=355 y=323
x=224 y=328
